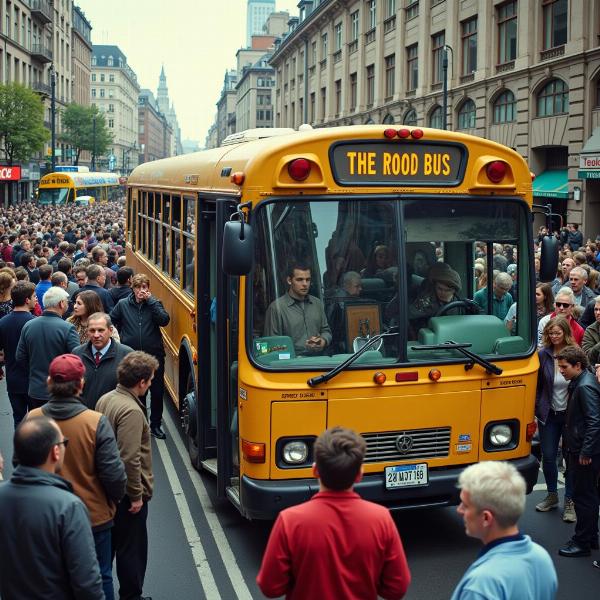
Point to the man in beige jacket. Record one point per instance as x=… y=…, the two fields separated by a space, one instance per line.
x=127 y=415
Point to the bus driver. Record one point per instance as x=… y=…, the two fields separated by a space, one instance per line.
x=299 y=315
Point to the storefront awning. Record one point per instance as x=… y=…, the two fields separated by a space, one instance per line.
x=552 y=184
x=589 y=159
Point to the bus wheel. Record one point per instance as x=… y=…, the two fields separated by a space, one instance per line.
x=188 y=413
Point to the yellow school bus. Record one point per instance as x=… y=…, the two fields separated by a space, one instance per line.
x=433 y=384
x=79 y=188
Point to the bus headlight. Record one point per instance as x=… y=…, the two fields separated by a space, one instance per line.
x=500 y=435
x=295 y=452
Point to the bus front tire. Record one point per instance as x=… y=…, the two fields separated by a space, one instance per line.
x=188 y=414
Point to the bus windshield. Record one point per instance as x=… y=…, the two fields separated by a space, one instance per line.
x=330 y=274
x=53 y=195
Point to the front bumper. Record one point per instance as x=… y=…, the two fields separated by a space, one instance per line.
x=264 y=499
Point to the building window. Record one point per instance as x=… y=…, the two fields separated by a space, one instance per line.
x=110 y=62
x=555 y=23
x=111 y=108
x=466 y=115
x=101 y=76
x=353 y=91
x=553 y=99
x=469 y=45
x=338 y=97
x=507 y=32
x=111 y=123
x=390 y=8
x=338 y=37
x=102 y=92
x=323 y=103
x=390 y=75
x=412 y=9
x=437 y=47
x=314 y=53
x=505 y=108
x=410 y=118
x=111 y=78
x=435 y=118
x=371 y=14
x=94 y=61
x=312 y=107
x=354 y=26
x=412 y=67
x=598 y=92
x=324 y=46
x=370 y=85
x=93 y=76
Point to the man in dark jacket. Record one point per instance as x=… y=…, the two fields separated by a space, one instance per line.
x=43 y=339
x=139 y=318
x=93 y=465
x=101 y=356
x=574 y=237
x=95 y=283
x=123 y=289
x=583 y=443
x=39 y=511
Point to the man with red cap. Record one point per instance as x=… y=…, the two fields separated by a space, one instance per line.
x=93 y=465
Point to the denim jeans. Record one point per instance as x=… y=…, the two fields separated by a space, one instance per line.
x=102 y=540
x=550 y=434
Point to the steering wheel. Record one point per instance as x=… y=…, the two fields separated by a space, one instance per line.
x=471 y=308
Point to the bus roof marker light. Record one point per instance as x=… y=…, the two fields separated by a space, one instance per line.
x=389 y=133
x=496 y=171
x=379 y=378
x=403 y=133
x=435 y=374
x=299 y=169
x=416 y=134
x=237 y=178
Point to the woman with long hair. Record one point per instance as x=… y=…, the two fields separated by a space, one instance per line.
x=7 y=281
x=544 y=300
x=87 y=303
x=551 y=412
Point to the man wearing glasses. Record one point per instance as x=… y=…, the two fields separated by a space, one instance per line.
x=38 y=510
x=563 y=305
x=93 y=465
x=501 y=298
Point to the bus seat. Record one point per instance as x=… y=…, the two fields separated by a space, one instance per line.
x=269 y=349
x=482 y=331
x=376 y=288
x=512 y=344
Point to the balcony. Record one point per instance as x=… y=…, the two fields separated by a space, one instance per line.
x=41 y=53
x=389 y=24
x=41 y=10
x=507 y=66
x=552 y=53
x=41 y=88
x=370 y=36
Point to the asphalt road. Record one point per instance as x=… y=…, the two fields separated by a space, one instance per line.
x=202 y=548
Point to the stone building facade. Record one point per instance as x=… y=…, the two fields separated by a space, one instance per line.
x=155 y=139
x=522 y=72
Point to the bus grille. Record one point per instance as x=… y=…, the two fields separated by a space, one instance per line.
x=407 y=445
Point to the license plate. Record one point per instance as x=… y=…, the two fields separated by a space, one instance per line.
x=406 y=476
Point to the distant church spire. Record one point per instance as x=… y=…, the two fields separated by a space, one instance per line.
x=162 y=94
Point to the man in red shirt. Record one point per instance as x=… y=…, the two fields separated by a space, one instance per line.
x=336 y=545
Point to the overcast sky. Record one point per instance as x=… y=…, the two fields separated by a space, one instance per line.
x=196 y=40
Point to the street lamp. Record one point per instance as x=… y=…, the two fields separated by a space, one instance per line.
x=94 y=143
x=445 y=84
x=53 y=115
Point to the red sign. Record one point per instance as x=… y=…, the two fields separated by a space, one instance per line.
x=10 y=173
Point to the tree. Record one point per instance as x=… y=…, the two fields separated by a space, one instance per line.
x=78 y=130
x=22 y=131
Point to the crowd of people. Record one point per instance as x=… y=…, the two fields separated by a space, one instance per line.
x=81 y=347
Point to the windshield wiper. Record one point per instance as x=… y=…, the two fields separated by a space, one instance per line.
x=490 y=368
x=313 y=381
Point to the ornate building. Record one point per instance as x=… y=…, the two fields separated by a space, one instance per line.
x=168 y=109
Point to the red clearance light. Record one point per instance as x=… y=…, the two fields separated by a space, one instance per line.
x=417 y=134
x=237 y=178
x=253 y=452
x=435 y=374
x=299 y=169
x=379 y=378
x=407 y=376
x=496 y=171
x=530 y=431
x=403 y=133
x=389 y=133
x=532 y=176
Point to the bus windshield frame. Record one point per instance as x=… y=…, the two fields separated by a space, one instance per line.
x=58 y=195
x=389 y=297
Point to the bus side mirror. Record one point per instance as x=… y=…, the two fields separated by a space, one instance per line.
x=549 y=258
x=238 y=248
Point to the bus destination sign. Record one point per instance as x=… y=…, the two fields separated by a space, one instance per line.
x=397 y=164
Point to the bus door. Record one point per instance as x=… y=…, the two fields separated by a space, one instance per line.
x=217 y=345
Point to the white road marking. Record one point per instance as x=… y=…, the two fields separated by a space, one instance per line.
x=231 y=567
x=207 y=581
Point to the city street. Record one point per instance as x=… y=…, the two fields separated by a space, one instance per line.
x=203 y=548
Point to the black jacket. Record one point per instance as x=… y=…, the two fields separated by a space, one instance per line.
x=101 y=379
x=139 y=323
x=46 y=539
x=119 y=291
x=583 y=415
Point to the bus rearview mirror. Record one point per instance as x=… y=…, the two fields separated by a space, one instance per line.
x=238 y=248
x=549 y=258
